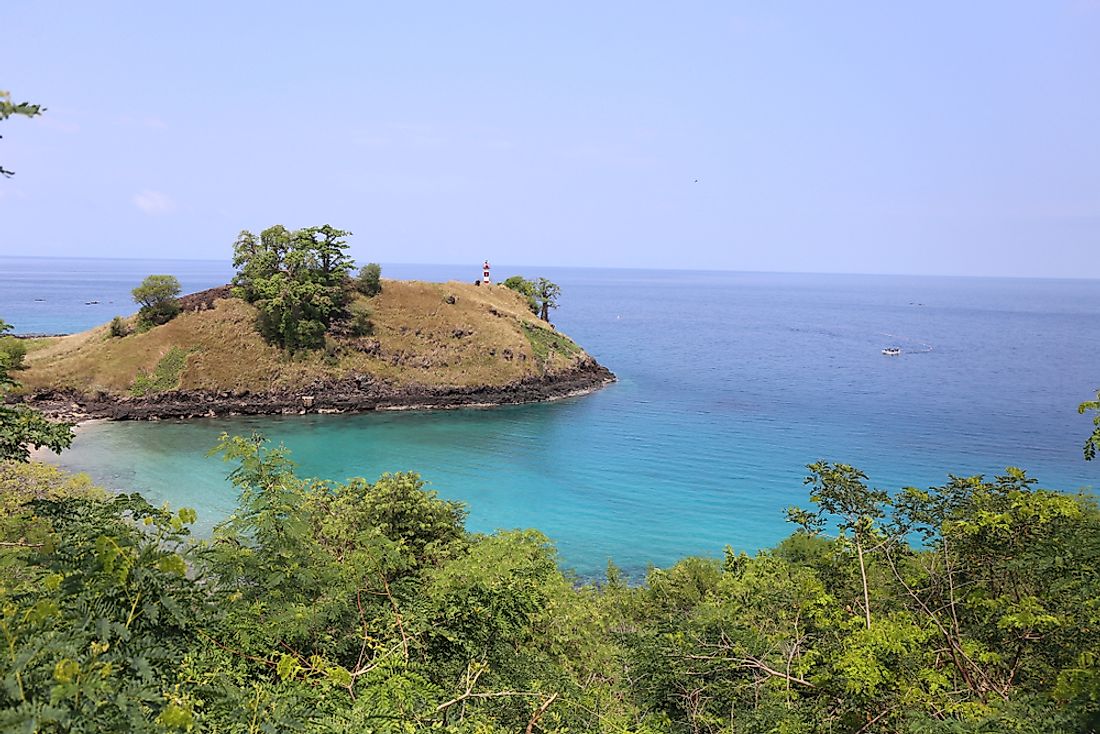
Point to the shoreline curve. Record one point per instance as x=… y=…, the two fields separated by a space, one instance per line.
x=323 y=397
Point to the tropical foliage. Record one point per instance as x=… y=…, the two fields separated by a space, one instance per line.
x=157 y=297
x=22 y=428
x=297 y=279
x=542 y=295
x=523 y=287
x=369 y=281
x=367 y=607
x=12 y=350
x=1093 y=441
x=9 y=108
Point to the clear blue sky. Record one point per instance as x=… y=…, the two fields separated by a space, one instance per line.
x=939 y=137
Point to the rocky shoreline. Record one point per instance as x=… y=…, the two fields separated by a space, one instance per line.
x=330 y=396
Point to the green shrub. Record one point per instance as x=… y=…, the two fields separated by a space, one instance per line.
x=525 y=288
x=368 y=606
x=287 y=327
x=118 y=327
x=157 y=297
x=361 y=324
x=12 y=352
x=369 y=282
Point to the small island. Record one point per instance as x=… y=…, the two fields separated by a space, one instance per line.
x=390 y=345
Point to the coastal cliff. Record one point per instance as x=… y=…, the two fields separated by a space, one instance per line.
x=417 y=345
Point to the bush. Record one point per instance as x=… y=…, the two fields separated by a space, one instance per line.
x=20 y=429
x=525 y=288
x=118 y=327
x=12 y=352
x=369 y=282
x=157 y=297
x=283 y=322
x=157 y=315
x=361 y=324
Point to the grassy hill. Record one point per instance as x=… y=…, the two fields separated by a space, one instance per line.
x=433 y=336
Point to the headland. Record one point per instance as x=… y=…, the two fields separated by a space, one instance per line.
x=423 y=346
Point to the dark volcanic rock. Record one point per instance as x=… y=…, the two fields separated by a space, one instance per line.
x=331 y=396
x=203 y=300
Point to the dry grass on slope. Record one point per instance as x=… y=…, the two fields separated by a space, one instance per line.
x=486 y=336
x=222 y=344
x=480 y=339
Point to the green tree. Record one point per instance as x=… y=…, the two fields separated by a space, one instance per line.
x=157 y=296
x=541 y=294
x=298 y=280
x=366 y=606
x=12 y=350
x=1093 y=441
x=249 y=261
x=546 y=296
x=1006 y=584
x=986 y=624
x=22 y=428
x=9 y=108
x=96 y=623
x=525 y=288
x=327 y=246
x=377 y=607
x=369 y=282
x=842 y=496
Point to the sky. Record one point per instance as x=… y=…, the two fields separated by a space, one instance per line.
x=938 y=137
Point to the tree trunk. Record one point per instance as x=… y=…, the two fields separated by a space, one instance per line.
x=863 y=577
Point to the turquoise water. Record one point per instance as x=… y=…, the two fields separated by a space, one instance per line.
x=729 y=384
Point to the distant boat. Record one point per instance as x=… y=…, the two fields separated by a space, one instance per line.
x=892 y=351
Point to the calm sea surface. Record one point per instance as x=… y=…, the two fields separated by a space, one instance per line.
x=729 y=384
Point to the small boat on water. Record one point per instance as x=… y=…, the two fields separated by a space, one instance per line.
x=892 y=351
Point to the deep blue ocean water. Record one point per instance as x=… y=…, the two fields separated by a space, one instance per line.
x=729 y=384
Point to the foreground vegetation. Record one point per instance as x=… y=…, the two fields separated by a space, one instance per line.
x=367 y=607
x=22 y=428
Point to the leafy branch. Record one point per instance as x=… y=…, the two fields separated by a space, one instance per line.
x=9 y=108
x=1092 y=443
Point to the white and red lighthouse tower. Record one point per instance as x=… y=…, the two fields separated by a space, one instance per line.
x=485 y=273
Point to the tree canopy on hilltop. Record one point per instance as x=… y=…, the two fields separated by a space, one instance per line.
x=297 y=279
x=541 y=294
x=157 y=297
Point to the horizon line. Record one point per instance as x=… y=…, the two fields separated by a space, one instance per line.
x=594 y=267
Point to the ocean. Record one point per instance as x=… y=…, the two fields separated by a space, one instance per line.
x=729 y=384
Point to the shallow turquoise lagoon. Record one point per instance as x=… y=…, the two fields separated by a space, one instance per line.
x=729 y=384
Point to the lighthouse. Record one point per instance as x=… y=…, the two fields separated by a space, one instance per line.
x=485 y=273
